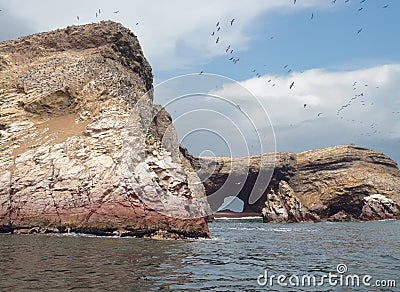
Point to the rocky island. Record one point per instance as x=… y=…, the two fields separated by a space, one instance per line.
x=341 y=183
x=65 y=98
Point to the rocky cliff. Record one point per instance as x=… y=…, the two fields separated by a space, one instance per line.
x=66 y=97
x=339 y=183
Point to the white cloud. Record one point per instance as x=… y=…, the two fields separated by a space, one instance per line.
x=174 y=34
x=370 y=116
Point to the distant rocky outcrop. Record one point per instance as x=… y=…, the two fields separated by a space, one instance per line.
x=340 y=183
x=284 y=206
x=66 y=96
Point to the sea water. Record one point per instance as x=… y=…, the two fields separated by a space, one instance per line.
x=242 y=255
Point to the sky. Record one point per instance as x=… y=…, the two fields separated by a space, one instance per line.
x=303 y=75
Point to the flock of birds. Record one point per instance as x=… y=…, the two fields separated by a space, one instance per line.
x=97 y=14
x=360 y=96
x=234 y=59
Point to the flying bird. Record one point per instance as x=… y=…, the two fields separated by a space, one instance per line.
x=319 y=114
x=116 y=11
x=386 y=6
x=218 y=28
x=359 y=30
x=304 y=105
x=217 y=24
x=312 y=15
x=217 y=40
x=77 y=18
x=359 y=9
x=227 y=49
x=212 y=34
x=201 y=72
x=291 y=85
x=232 y=21
x=294 y=2
x=96 y=14
x=99 y=11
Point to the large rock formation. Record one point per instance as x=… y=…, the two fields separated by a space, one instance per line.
x=284 y=206
x=65 y=98
x=337 y=183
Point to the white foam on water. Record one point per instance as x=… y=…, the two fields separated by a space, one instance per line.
x=239 y=218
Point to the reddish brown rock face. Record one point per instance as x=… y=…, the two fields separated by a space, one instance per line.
x=65 y=98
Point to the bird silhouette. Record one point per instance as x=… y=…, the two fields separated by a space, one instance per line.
x=77 y=18
x=232 y=21
x=291 y=85
x=212 y=33
x=217 y=40
x=116 y=11
x=304 y=105
x=294 y=2
x=312 y=15
x=319 y=114
x=217 y=24
x=360 y=30
x=386 y=6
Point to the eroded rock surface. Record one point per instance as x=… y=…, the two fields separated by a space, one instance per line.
x=284 y=206
x=66 y=96
x=336 y=183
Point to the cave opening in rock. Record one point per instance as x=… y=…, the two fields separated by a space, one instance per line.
x=233 y=204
